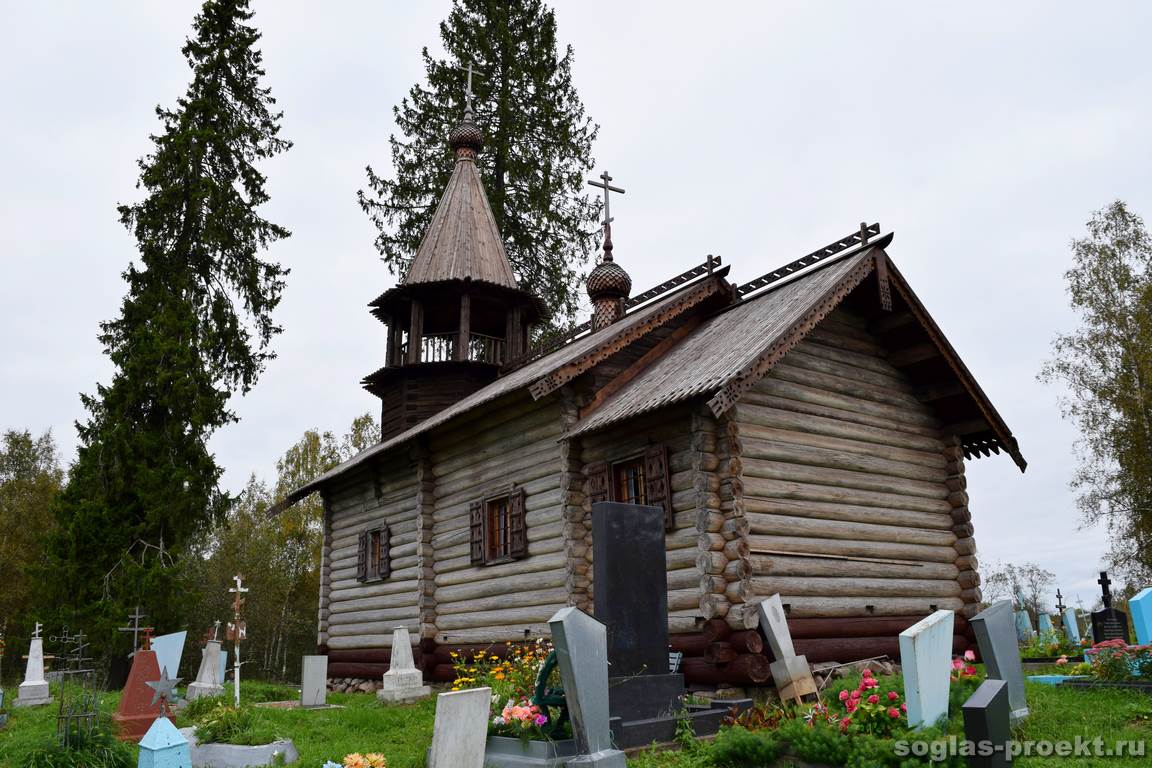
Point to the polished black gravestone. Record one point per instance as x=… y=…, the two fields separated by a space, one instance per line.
x=987 y=725
x=1108 y=623
x=630 y=584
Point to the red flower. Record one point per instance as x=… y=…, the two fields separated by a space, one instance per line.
x=873 y=699
x=893 y=712
x=855 y=694
x=850 y=705
x=843 y=695
x=892 y=695
x=969 y=670
x=903 y=707
x=866 y=673
x=844 y=724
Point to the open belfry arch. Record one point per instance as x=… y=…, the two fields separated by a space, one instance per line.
x=805 y=433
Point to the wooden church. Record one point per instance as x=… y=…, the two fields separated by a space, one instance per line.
x=805 y=433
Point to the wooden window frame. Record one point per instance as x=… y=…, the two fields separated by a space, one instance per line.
x=602 y=480
x=515 y=546
x=614 y=478
x=374 y=554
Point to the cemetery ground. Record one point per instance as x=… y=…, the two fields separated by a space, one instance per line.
x=402 y=733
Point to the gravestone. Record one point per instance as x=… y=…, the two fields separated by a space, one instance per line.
x=996 y=637
x=402 y=683
x=1024 y=631
x=926 y=660
x=631 y=600
x=209 y=679
x=790 y=673
x=139 y=706
x=169 y=650
x=582 y=653
x=223 y=666
x=1071 y=626
x=34 y=690
x=460 y=729
x=1108 y=623
x=164 y=747
x=314 y=681
x=987 y=721
x=1141 y=608
x=1044 y=623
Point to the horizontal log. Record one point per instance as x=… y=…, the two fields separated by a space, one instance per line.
x=531 y=564
x=720 y=653
x=689 y=645
x=767 y=488
x=340 y=641
x=832 y=586
x=866 y=626
x=803 y=356
x=878 y=549
x=747 y=641
x=372 y=620
x=837 y=529
x=505 y=632
x=894 y=417
x=364 y=655
x=823 y=510
x=827 y=565
x=841 y=478
x=528 y=615
x=756 y=411
x=880 y=462
x=681 y=599
x=518 y=595
x=856 y=389
x=499 y=587
x=828 y=607
x=351 y=669
x=845 y=649
x=697 y=671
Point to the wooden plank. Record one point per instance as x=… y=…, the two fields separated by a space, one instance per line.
x=881 y=549
x=839 y=529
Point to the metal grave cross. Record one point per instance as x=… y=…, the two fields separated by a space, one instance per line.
x=605 y=184
x=237 y=604
x=134 y=629
x=1105 y=593
x=1060 y=602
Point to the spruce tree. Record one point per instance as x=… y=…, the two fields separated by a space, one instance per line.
x=193 y=329
x=537 y=149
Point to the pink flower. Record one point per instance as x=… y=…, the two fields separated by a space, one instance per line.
x=969 y=655
x=892 y=695
x=957 y=663
x=893 y=712
x=843 y=695
x=541 y=719
x=855 y=694
x=850 y=705
x=873 y=699
x=1062 y=661
x=871 y=682
x=969 y=670
x=866 y=674
x=844 y=724
x=903 y=707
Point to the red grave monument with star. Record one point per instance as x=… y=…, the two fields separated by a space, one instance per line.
x=139 y=705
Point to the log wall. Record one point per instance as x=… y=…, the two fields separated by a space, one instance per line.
x=847 y=489
x=361 y=615
x=513 y=444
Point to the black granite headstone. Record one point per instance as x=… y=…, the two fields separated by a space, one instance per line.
x=987 y=725
x=630 y=584
x=1108 y=623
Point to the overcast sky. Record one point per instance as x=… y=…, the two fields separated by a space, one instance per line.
x=984 y=134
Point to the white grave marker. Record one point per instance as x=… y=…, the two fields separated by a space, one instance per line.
x=926 y=658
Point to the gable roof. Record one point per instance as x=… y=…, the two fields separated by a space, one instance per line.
x=720 y=358
x=462 y=241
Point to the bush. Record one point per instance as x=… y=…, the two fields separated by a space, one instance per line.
x=225 y=724
x=197 y=709
x=740 y=748
x=817 y=743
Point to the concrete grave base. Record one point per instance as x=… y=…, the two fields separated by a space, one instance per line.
x=237 y=755
x=403 y=695
x=33 y=695
x=202 y=691
x=295 y=705
x=509 y=752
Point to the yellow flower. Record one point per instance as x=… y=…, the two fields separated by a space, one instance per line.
x=376 y=760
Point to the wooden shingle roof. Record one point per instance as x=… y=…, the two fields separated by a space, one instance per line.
x=462 y=242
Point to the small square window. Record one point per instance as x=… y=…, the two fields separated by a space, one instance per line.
x=628 y=486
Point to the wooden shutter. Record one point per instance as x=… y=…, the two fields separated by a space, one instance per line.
x=362 y=558
x=597 y=482
x=656 y=484
x=476 y=530
x=385 y=552
x=517 y=529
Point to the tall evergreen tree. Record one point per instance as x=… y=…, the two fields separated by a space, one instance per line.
x=538 y=147
x=194 y=328
x=1107 y=366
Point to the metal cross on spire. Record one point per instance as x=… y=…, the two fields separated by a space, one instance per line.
x=468 y=95
x=606 y=185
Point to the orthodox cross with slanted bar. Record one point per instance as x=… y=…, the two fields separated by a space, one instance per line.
x=135 y=629
x=468 y=95
x=237 y=629
x=1060 y=602
x=1105 y=592
x=606 y=184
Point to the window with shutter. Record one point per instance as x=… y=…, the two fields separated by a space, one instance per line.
x=517 y=530
x=657 y=487
x=362 y=558
x=476 y=529
x=385 y=564
x=597 y=481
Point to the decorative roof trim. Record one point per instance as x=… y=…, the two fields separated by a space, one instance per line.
x=727 y=396
x=995 y=421
x=704 y=290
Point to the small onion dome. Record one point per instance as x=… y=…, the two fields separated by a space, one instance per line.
x=608 y=281
x=466 y=135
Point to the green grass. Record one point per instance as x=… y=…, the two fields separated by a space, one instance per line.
x=403 y=733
